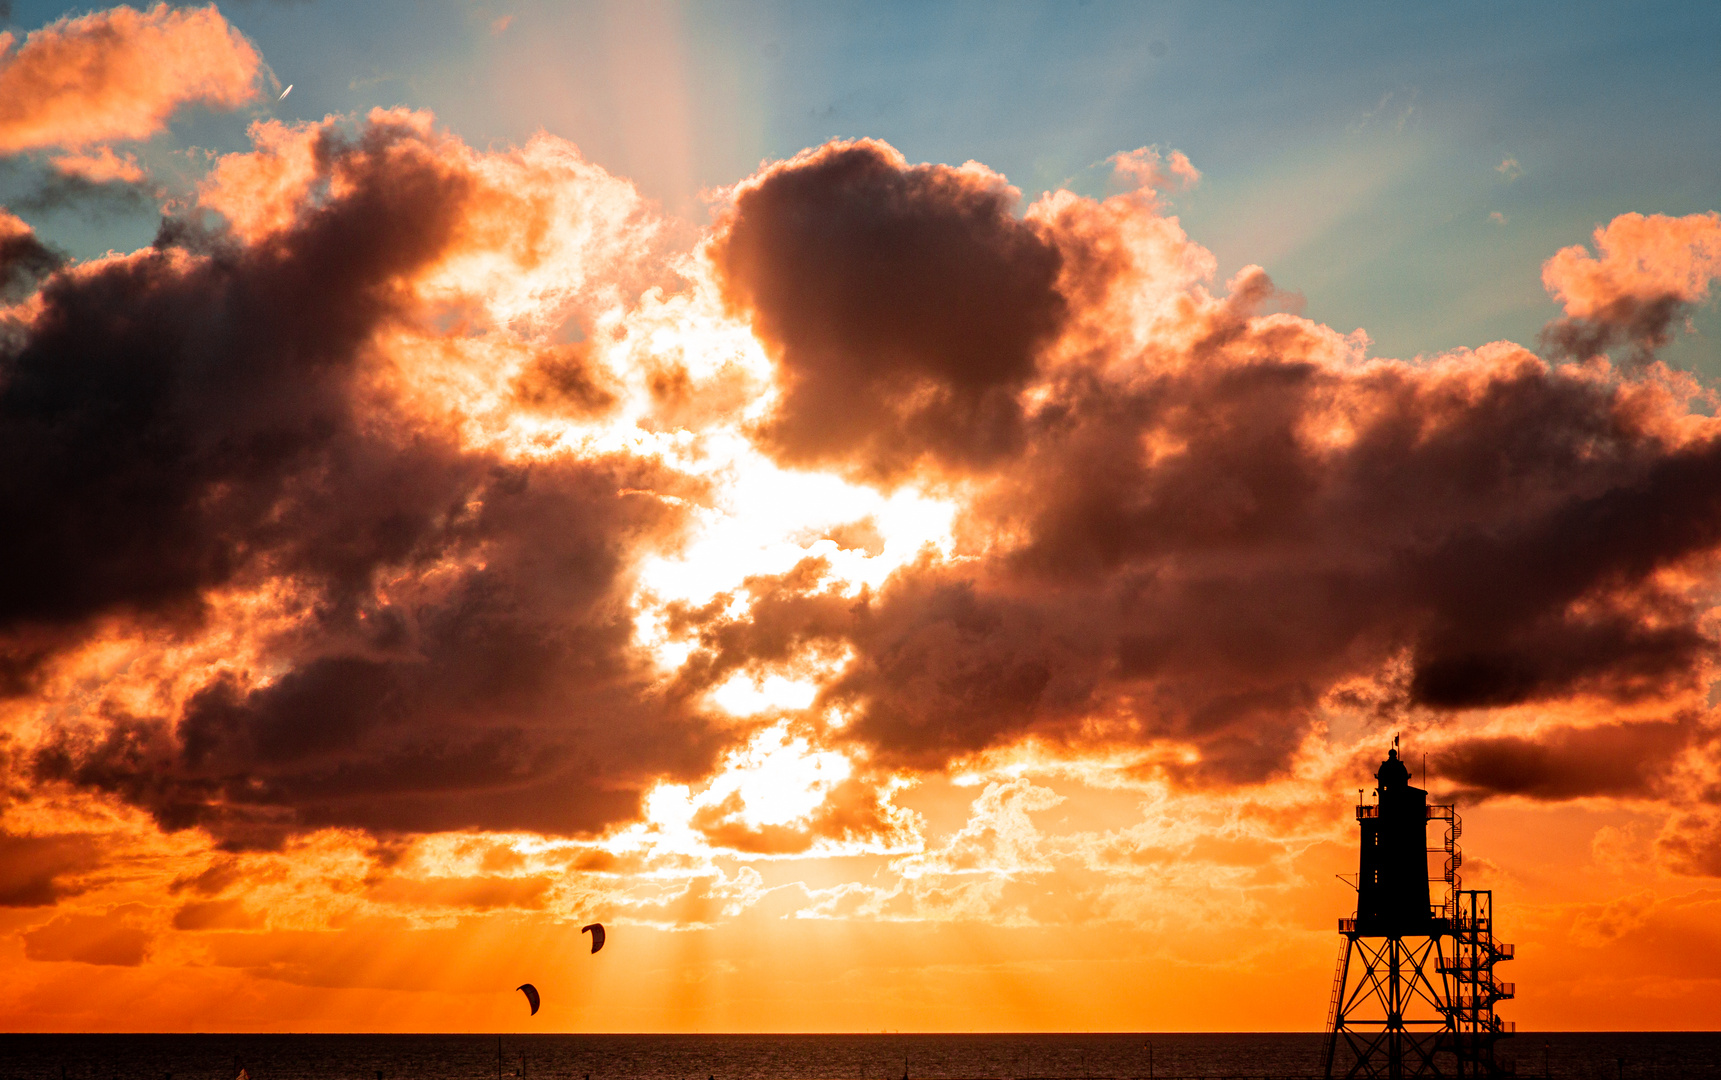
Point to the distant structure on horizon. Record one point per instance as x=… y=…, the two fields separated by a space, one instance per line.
x=1414 y=992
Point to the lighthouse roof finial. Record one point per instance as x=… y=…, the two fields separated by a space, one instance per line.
x=1392 y=771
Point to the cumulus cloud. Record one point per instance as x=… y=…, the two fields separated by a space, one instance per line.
x=1645 y=274
x=101 y=166
x=111 y=938
x=1147 y=167
x=905 y=306
x=40 y=870
x=24 y=259
x=119 y=74
x=1206 y=516
x=445 y=637
x=332 y=442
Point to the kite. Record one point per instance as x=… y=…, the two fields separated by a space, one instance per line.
x=596 y=930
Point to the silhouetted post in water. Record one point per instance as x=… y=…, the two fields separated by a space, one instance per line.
x=498 y=1057
x=1149 y=1061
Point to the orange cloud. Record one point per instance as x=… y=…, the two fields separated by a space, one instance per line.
x=109 y=938
x=101 y=166
x=1646 y=272
x=261 y=192
x=1146 y=167
x=119 y=74
x=434 y=549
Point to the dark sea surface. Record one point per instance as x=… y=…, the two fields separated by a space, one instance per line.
x=788 y=1057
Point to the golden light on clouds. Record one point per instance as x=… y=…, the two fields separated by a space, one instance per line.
x=897 y=604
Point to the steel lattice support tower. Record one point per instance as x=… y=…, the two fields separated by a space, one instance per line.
x=1389 y=1007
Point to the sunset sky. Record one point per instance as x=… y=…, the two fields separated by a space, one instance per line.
x=917 y=517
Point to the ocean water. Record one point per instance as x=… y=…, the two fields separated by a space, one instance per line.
x=1656 y=1056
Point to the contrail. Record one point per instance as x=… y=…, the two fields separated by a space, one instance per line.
x=285 y=92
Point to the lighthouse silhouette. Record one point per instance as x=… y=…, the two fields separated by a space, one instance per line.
x=1414 y=990
x=1392 y=871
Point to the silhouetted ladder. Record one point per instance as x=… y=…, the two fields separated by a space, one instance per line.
x=1339 y=971
x=1453 y=858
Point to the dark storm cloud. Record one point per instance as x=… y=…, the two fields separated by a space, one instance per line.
x=1622 y=760
x=89 y=199
x=24 y=260
x=177 y=423
x=1201 y=537
x=40 y=870
x=511 y=699
x=905 y=306
x=170 y=425
x=1691 y=844
x=1207 y=530
x=1645 y=323
x=1219 y=595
